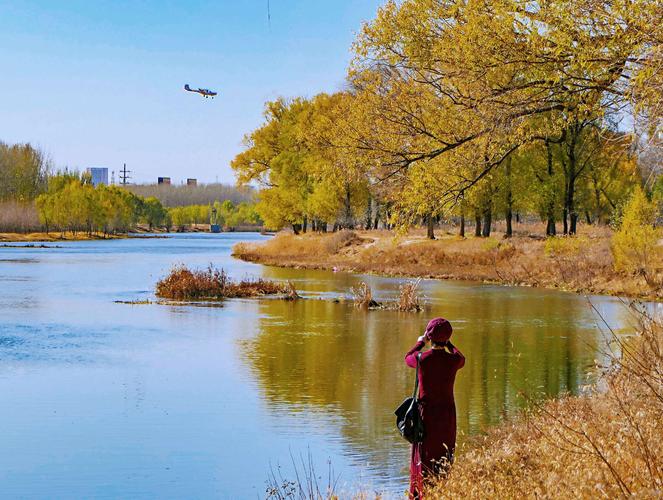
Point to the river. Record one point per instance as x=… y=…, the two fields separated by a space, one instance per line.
x=102 y=399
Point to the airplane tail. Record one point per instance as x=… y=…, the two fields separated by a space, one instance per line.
x=186 y=87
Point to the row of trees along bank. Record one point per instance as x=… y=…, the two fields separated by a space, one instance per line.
x=73 y=204
x=472 y=111
x=224 y=214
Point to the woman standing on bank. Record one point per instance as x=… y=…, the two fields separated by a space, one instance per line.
x=437 y=372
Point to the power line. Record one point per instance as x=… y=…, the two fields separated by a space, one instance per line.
x=269 y=16
x=124 y=175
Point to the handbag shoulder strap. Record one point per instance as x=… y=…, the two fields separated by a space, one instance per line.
x=415 y=396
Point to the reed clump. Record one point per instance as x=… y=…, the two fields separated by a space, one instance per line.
x=603 y=444
x=183 y=283
x=362 y=296
x=409 y=297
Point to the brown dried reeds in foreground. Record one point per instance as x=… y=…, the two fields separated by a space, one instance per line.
x=212 y=283
x=601 y=445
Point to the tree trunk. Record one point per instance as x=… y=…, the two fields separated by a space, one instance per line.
x=565 y=218
x=369 y=213
x=305 y=224
x=461 y=232
x=571 y=176
x=551 y=229
x=296 y=228
x=487 y=221
x=573 y=214
x=597 y=198
x=430 y=227
x=509 y=200
x=376 y=222
x=477 y=225
x=348 y=223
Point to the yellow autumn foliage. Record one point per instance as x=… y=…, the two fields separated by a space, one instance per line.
x=634 y=245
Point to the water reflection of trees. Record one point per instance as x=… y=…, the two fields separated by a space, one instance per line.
x=317 y=355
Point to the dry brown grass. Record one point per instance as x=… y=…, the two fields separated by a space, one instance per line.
x=581 y=264
x=18 y=217
x=340 y=239
x=602 y=445
x=362 y=296
x=409 y=297
x=211 y=283
x=57 y=236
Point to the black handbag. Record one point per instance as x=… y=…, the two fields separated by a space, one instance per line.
x=408 y=414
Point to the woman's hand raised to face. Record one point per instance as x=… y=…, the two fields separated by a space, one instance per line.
x=423 y=339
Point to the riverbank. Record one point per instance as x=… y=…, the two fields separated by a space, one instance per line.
x=581 y=264
x=56 y=236
x=606 y=443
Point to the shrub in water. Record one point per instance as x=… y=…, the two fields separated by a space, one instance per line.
x=408 y=298
x=211 y=283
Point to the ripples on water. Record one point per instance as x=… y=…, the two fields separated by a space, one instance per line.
x=116 y=400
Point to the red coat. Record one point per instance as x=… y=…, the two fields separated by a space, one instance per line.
x=437 y=372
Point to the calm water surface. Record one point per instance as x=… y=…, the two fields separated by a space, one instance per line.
x=105 y=400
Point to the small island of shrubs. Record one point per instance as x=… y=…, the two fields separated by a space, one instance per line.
x=183 y=283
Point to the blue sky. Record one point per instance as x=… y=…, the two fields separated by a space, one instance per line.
x=99 y=83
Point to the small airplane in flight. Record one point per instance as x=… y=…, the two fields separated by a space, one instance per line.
x=204 y=92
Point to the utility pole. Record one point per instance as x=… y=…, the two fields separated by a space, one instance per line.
x=124 y=175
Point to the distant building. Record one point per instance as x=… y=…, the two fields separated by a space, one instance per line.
x=192 y=182
x=99 y=175
x=164 y=180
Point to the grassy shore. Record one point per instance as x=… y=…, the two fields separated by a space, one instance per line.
x=56 y=236
x=80 y=236
x=605 y=444
x=581 y=264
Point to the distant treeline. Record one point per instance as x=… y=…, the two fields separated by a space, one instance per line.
x=73 y=204
x=33 y=199
x=204 y=194
x=225 y=214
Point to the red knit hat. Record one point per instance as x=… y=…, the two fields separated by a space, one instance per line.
x=438 y=330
